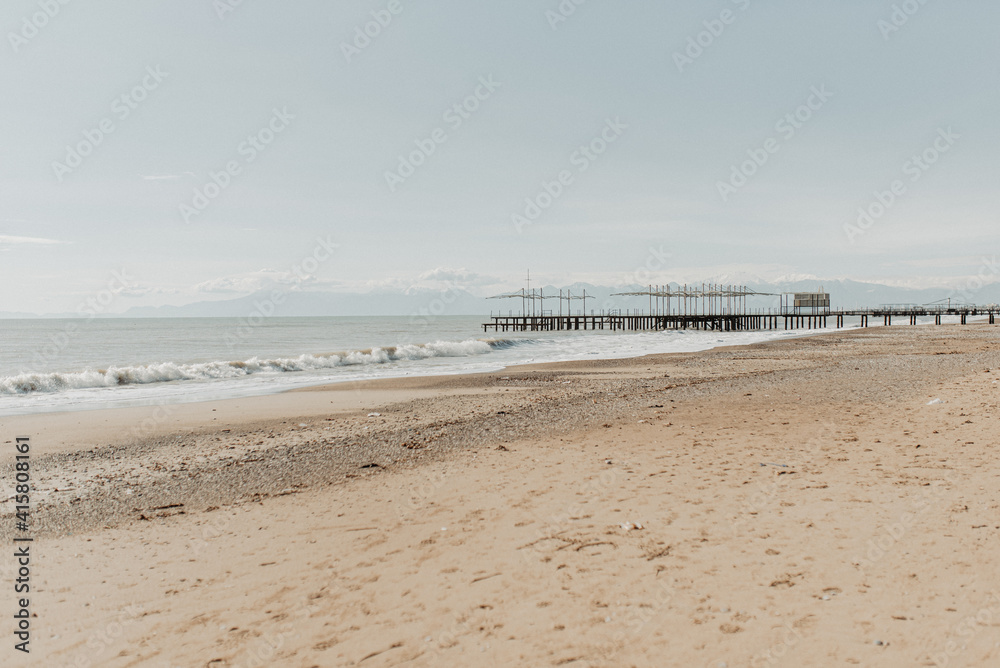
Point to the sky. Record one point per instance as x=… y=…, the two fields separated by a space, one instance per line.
x=174 y=151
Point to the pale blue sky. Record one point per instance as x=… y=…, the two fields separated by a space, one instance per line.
x=324 y=174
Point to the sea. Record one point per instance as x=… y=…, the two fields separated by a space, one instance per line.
x=79 y=364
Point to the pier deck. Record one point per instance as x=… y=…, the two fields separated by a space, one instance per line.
x=726 y=322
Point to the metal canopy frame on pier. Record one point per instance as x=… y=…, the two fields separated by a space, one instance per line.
x=711 y=307
x=529 y=297
x=709 y=299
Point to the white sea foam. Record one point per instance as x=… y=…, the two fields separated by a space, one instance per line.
x=27 y=383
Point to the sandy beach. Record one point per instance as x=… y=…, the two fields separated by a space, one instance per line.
x=830 y=500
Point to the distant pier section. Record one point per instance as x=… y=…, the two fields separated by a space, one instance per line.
x=713 y=308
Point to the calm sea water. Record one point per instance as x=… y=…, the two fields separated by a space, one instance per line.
x=48 y=365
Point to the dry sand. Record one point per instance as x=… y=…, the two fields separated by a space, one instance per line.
x=796 y=503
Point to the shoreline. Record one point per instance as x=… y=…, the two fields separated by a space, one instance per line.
x=111 y=405
x=59 y=432
x=487 y=514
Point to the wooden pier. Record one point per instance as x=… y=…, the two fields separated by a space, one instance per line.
x=710 y=307
x=727 y=322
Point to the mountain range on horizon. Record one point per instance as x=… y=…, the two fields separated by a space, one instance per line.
x=460 y=301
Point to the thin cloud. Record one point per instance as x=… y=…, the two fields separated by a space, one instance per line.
x=461 y=276
x=944 y=262
x=232 y=285
x=11 y=240
x=166 y=177
x=251 y=282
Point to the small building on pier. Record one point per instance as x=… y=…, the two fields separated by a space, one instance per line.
x=810 y=303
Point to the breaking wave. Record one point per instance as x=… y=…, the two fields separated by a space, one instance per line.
x=28 y=383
